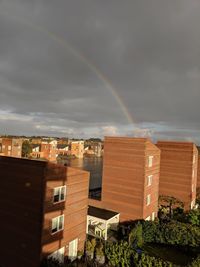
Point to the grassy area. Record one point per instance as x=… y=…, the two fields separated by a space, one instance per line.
x=169 y=253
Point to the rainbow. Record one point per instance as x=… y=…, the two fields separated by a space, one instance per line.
x=108 y=84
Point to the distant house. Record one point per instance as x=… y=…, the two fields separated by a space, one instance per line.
x=77 y=149
x=11 y=147
x=63 y=149
x=36 y=151
x=88 y=151
x=45 y=150
x=97 y=148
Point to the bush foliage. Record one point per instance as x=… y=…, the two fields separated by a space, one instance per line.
x=172 y=233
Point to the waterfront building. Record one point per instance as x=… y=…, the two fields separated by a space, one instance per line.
x=130 y=178
x=77 y=149
x=45 y=150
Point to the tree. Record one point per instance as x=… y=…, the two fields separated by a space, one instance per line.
x=193 y=217
x=26 y=149
x=198 y=196
x=171 y=203
x=135 y=236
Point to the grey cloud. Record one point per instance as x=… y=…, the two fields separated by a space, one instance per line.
x=149 y=50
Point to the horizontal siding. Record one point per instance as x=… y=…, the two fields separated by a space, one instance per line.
x=176 y=170
x=124 y=175
x=74 y=209
x=21 y=211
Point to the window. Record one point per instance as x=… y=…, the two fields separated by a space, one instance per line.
x=153 y=216
x=98 y=233
x=57 y=224
x=194 y=159
x=192 y=204
x=150 y=161
x=9 y=147
x=59 y=194
x=193 y=173
x=148 y=199
x=192 y=188
x=58 y=255
x=149 y=180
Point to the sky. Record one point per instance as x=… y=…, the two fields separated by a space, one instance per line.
x=90 y=68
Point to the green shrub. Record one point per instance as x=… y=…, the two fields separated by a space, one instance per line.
x=193 y=217
x=135 y=236
x=119 y=254
x=195 y=262
x=172 y=233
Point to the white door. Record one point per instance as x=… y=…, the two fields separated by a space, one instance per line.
x=58 y=255
x=73 y=247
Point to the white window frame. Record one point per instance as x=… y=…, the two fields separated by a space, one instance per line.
x=192 y=188
x=192 y=204
x=193 y=173
x=194 y=159
x=57 y=221
x=149 y=180
x=59 y=194
x=150 y=161
x=148 y=200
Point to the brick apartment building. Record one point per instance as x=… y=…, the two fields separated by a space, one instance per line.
x=130 y=178
x=44 y=211
x=45 y=150
x=77 y=149
x=97 y=148
x=11 y=147
x=178 y=171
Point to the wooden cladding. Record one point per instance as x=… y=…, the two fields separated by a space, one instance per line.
x=178 y=170
x=28 y=206
x=125 y=171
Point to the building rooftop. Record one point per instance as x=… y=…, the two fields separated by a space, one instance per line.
x=101 y=213
x=62 y=146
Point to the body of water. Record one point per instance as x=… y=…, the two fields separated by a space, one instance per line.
x=93 y=165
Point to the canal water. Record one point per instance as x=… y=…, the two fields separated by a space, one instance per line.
x=92 y=164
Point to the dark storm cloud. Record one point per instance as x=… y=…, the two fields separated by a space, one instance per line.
x=150 y=50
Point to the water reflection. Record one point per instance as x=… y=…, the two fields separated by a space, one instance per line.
x=92 y=164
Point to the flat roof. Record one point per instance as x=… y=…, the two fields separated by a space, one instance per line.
x=101 y=213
